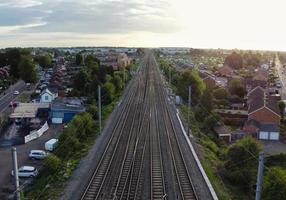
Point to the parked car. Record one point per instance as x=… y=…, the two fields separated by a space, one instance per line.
x=26 y=171
x=16 y=92
x=51 y=144
x=38 y=154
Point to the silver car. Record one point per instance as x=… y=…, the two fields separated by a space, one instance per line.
x=26 y=172
x=37 y=154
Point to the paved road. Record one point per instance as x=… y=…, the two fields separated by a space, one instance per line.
x=9 y=96
x=282 y=77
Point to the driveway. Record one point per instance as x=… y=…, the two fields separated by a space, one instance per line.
x=274 y=147
x=22 y=153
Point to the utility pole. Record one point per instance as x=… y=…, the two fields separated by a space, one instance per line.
x=15 y=173
x=124 y=77
x=99 y=107
x=170 y=76
x=259 y=176
x=189 y=109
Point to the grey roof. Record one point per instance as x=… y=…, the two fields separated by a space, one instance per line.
x=257 y=98
x=221 y=130
x=73 y=104
x=67 y=107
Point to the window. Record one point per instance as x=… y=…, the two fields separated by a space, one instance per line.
x=46 y=98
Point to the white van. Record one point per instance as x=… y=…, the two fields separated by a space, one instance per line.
x=51 y=144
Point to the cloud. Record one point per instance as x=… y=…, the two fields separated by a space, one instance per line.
x=108 y=16
x=11 y=29
x=204 y=23
x=20 y=3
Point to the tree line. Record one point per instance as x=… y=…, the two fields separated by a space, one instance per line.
x=21 y=64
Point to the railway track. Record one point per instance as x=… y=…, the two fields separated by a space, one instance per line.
x=184 y=181
x=133 y=164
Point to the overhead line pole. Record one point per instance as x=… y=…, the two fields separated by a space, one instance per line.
x=259 y=176
x=189 y=109
x=99 y=108
x=15 y=173
x=170 y=82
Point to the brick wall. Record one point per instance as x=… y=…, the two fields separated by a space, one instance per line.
x=265 y=116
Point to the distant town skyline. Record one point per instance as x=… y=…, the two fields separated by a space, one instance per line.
x=256 y=24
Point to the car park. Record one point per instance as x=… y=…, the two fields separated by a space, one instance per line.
x=38 y=154
x=26 y=172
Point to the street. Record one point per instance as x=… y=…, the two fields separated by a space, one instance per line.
x=9 y=96
x=282 y=77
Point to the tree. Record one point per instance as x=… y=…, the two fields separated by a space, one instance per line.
x=76 y=134
x=45 y=61
x=14 y=59
x=281 y=106
x=234 y=61
x=27 y=70
x=190 y=78
x=81 y=81
x=241 y=162
x=118 y=82
x=220 y=93
x=274 y=184
x=236 y=88
x=211 y=121
x=92 y=109
x=108 y=93
x=78 y=59
x=204 y=106
x=90 y=58
x=251 y=59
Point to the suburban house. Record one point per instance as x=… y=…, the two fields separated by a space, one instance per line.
x=64 y=109
x=47 y=96
x=261 y=74
x=123 y=61
x=250 y=84
x=208 y=79
x=225 y=71
x=263 y=115
x=262 y=107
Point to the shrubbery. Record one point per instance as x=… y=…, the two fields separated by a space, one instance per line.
x=241 y=162
x=52 y=163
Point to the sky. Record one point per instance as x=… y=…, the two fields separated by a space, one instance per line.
x=243 y=24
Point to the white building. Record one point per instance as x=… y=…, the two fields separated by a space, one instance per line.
x=47 y=96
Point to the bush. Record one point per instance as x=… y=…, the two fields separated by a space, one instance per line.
x=241 y=163
x=274 y=184
x=52 y=163
x=276 y=160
